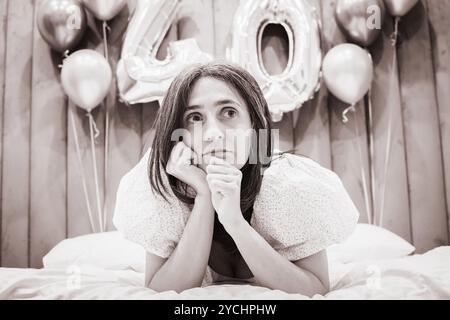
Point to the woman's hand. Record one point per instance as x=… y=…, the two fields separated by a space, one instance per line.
x=182 y=166
x=224 y=181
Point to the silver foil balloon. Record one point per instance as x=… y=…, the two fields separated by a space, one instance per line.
x=61 y=23
x=360 y=20
x=104 y=9
x=398 y=8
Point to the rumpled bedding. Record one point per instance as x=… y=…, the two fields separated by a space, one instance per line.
x=425 y=276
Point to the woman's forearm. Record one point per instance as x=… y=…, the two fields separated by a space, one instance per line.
x=270 y=268
x=186 y=267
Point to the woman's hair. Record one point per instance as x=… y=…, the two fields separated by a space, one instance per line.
x=170 y=117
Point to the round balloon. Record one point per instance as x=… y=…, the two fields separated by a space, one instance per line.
x=61 y=23
x=86 y=78
x=348 y=72
x=398 y=8
x=104 y=9
x=360 y=20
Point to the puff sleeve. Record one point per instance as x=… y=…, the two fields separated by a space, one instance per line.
x=302 y=207
x=144 y=217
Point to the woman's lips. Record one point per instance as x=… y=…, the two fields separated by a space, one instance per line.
x=218 y=153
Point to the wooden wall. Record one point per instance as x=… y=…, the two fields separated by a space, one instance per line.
x=41 y=194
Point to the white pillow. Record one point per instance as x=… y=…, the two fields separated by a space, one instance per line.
x=110 y=250
x=369 y=242
x=107 y=250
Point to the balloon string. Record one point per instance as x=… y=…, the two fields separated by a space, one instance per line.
x=347 y=110
x=105 y=40
x=92 y=25
x=106 y=168
x=97 y=132
x=394 y=35
x=94 y=162
x=388 y=143
x=65 y=55
x=81 y=169
x=386 y=162
x=363 y=177
x=371 y=151
x=106 y=149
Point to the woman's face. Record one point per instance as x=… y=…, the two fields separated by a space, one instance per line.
x=217 y=119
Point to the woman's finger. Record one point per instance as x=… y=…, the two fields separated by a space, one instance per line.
x=219 y=161
x=176 y=151
x=222 y=177
x=214 y=168
x=186 y=155
x=221 y=186
x=195 y=158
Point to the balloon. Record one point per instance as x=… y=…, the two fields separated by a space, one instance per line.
x=348 y=72
x=360 y=20
x=140 y=77
x=300 y=78
x=86 y=78
x=61 y=23
x=398 y=8
x=104 y=9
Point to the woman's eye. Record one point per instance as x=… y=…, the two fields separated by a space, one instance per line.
x=194 y=117
x=230 y=112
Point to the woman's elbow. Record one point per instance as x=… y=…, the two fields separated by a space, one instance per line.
x=177 y=287
x=323 y=289
x=317 y=287
x=320 y=288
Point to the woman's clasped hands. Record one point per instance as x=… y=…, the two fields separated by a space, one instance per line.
x=221 y=182
x=224 y=181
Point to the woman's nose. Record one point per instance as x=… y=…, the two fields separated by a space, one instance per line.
x=212 y=131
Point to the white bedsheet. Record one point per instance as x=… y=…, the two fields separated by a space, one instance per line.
x=424 y=276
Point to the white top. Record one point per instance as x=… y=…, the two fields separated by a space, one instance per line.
x=301 y=209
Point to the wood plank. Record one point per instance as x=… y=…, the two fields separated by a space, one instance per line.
x=421 y=125
x=391 y=198
x=124 y=149
x=438 y=16
x=48 y=175
x=3 y=27
x=150 y=110
x=149 y=114
x=349 y=152
x=16 y=134
x=77 y=214
x=124 y=128
x=78 y=222
x=311 y=127
x=285 y=133
x=312 y=130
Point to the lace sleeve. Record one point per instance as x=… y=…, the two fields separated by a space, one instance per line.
x=302 y=208
x=145 y=217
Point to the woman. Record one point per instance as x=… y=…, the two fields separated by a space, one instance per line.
x=209 y=210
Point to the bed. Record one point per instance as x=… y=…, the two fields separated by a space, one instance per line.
x=372 y=264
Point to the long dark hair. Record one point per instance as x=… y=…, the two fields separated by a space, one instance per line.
x=170 y=116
